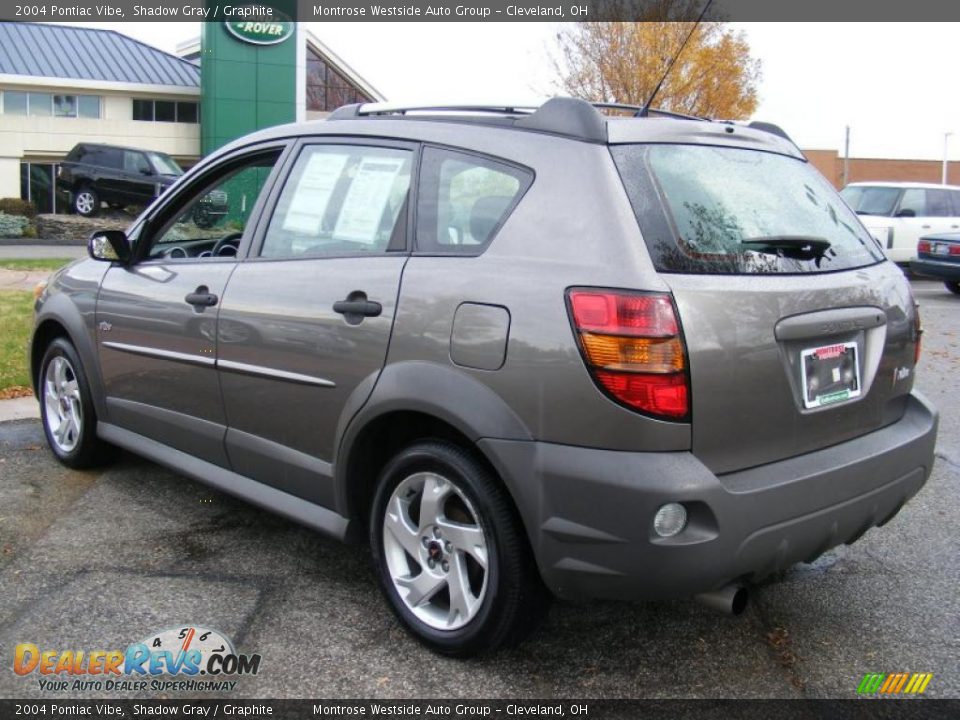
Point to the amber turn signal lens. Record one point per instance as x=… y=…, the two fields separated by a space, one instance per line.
x=652 y=355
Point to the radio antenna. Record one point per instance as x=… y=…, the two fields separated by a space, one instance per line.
x=645 y=110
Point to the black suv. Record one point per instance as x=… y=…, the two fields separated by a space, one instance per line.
x=93 y=174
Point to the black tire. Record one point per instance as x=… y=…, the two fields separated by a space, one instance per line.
x=86 y=201
x=953 y=286
x=514 y=599
x=88 y=450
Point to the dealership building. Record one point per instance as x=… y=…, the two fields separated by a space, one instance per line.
x=63 y=85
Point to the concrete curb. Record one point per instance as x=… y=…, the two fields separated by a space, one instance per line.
x=23 y=408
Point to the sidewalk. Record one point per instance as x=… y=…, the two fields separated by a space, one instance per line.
x=42 y=251
x=22 y=408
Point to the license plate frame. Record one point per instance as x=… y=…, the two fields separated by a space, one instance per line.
x=941 y=249
x=830 y=374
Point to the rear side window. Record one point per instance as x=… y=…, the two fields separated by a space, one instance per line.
x=464 y=199
x=724 y=210
x=871 y=200
x=938 y=203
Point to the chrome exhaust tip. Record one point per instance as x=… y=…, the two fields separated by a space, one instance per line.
x=730 y=600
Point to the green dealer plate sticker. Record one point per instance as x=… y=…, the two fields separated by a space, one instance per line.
x=830 y=374
x=261 y=32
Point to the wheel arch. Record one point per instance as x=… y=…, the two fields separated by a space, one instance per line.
x=60 y=318
x=414 y=401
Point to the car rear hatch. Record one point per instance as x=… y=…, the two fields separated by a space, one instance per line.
x=799 y=335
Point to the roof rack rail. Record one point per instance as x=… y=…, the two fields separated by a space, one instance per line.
x=561 y=116
x=566 y=116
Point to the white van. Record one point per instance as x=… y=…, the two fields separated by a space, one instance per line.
x=897 y=214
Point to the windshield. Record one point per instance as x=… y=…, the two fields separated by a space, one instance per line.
x=164 y=164
x=866 y=200
x=737 y=211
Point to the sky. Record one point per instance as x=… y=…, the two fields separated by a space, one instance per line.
x=893 y=84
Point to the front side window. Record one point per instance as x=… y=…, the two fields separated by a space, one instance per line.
x=341 y=200
x=135 y=162
x=209 y=219
x=728 y=210
x=871 y=200
x=164 y=164
x=913 y=203
x=464 y=199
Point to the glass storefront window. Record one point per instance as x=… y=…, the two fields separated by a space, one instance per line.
x=164 y=111
x=65 y=105
x=14 y=103
x=41 y=104
x=88 y=106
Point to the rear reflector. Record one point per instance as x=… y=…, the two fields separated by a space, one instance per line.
x=632 y=346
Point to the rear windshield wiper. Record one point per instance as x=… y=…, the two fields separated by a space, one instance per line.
x=802 y=247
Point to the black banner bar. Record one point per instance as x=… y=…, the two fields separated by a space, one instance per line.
x=862 y=709
x=854 y=11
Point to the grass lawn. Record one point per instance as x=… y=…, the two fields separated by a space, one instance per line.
x=16 y=320
x=25 y=264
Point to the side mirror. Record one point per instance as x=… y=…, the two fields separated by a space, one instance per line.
x=146 y=171
x=907 y=212
x=109 y=246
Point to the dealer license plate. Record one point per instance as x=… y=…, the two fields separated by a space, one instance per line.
x=830 y=374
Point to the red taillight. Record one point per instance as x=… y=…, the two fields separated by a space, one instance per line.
x=632 y=345
x=955 y=249
x=923 y=246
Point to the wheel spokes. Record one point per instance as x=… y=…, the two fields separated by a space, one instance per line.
x=421 y=588
x=462 y=600
x=466 y=538
x=397 y=521
x=435 y=492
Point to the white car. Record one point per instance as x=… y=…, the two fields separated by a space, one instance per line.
x=897 y=214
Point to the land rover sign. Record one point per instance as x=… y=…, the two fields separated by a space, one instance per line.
x=262 y=32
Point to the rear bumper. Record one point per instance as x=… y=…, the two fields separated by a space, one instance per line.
x=589 y=512
x=936 y=268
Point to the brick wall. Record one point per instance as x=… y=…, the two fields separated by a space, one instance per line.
x=830 y=164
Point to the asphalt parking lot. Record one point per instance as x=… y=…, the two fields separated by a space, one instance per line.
x=98 y=560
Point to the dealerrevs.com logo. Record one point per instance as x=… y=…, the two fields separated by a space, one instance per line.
x=189 y=658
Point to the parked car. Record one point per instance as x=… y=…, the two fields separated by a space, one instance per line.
x=522 y=353
x=898 y=214
x=93 y=174
x=939 y=256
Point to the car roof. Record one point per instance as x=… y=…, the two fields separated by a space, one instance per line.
x=564 y=118
x=120 y=147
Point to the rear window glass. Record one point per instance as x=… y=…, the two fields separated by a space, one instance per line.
x=722 y=210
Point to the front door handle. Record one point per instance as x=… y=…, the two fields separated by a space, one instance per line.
x=201 y=298
x=356 y=307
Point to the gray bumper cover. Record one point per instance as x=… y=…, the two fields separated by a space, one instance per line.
x=589 y=512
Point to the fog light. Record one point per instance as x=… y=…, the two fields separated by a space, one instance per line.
x=670 y=519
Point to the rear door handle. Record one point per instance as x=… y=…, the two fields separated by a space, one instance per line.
x=201 y=298
x=356 y=307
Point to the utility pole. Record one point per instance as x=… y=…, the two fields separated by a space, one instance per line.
x=943 y=176
x=846 y=159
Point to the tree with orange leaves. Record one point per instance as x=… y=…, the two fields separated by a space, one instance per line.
x=621 y=62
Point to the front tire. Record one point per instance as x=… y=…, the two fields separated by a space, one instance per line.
x=451 y=555
x=953 y=286
x=66 y=409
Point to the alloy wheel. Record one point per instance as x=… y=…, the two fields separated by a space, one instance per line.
x=436 y=551
x=64 y=411
x=84 y=203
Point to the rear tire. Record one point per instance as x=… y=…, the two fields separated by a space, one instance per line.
x=86 y=202
x=456 y=570
x=67 y=411
x=952 y=286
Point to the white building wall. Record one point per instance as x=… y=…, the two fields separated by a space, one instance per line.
x=50 y=138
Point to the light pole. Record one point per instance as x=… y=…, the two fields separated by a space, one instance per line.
x=943 y=176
